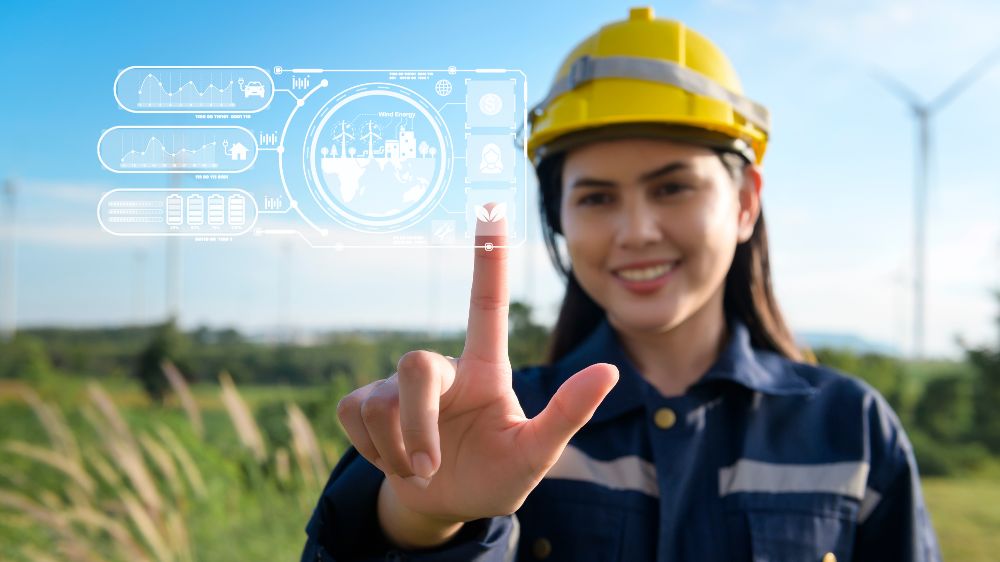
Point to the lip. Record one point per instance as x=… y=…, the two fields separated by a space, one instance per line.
x=651 y=285
x=647 y=263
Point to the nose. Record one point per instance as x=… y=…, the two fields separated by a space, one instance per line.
x=638 y=225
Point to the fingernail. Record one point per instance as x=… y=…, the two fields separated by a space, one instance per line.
x=418 y=481
x=421 y=464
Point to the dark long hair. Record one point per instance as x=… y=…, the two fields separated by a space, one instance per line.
x=748 y=296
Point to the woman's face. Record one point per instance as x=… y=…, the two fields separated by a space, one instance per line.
x=651 y=227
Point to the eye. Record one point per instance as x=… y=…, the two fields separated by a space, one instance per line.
x=670 y=188
x=597 y=198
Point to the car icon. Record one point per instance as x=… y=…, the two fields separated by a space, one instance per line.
x=253 y=89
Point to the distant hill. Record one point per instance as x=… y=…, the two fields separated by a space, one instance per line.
x=843 y=340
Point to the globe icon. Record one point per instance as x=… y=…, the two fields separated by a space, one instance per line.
x=442 y=87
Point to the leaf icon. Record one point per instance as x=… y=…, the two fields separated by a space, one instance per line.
x=482 y=214
x=499 y=211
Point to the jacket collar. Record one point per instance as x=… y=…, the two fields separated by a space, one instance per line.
x=740 y=363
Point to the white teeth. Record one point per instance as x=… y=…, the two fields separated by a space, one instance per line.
x=645 y=273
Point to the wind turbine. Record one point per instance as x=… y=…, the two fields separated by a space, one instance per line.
x=343 y=137
x=371 y=134
x=923 y=111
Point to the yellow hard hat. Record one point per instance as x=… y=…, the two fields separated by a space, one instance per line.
x=651 y=76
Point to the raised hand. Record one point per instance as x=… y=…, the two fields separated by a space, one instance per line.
x=450 y=434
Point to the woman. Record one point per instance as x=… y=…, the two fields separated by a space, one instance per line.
x=677 y=419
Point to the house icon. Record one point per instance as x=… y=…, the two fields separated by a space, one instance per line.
x=238 y=151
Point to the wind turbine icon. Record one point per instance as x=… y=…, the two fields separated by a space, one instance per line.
x=343 y=137
x=369 y=136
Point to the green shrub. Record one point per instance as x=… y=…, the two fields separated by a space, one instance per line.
x=945 y=409
x=986 y=398
x=24 y=357
x=938 y=458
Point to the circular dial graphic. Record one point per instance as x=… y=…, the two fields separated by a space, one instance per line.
x=377 y=157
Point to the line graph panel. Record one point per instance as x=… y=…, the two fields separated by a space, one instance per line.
x=194 y=89
x=168 y=149
x=156 y=155
x=153 y=93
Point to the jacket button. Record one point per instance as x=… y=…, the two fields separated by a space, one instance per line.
x=829 y=557
x=665 y=418
x=542 y=548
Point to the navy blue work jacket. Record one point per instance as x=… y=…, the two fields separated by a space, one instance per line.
x=763 y=459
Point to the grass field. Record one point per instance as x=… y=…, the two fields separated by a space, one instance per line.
x=94 y=472
x=966 y=515
x=243 y=486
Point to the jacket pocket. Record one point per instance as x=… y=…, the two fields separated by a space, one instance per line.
x=796 y=527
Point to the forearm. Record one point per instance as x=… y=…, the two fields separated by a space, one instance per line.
x=407 y=529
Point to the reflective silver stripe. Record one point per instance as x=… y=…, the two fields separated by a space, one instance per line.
x=845 y=478
x=868 y=504
x=624 y=473
x=587 y=68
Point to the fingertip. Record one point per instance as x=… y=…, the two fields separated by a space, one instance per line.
x=610 y=369
x=615 y=375
x=491 y=220
x=609 y=375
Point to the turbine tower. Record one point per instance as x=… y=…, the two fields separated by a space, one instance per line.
x=8 y=263
x=923 y=111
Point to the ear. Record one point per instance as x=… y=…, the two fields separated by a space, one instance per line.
x=749 y=201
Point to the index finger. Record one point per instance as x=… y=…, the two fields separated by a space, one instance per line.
x=486 y=337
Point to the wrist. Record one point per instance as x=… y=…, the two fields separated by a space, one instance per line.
x=408 y=529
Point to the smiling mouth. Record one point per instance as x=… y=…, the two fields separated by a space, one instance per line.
x=646 y=273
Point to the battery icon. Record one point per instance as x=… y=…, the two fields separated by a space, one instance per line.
x=237 y=207
x=175 y=206
x=195 y=210
x=216 y=209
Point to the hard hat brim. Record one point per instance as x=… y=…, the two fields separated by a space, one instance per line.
x=657 y=131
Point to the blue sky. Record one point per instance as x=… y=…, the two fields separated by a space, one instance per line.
x=838 y=174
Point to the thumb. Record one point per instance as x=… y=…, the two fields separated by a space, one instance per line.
x=570 y=408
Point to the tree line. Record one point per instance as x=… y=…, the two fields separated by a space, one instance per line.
x=949 y=409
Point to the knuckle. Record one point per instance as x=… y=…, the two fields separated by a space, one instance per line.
x=377 y=407
x=345 y=406
x=416 y=377
x=415 y=362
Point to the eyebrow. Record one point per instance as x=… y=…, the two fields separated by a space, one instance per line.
x=648 y=176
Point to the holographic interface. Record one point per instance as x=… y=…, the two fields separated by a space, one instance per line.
x=338 y=158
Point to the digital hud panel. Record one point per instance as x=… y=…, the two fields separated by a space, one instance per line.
x=338 y=158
